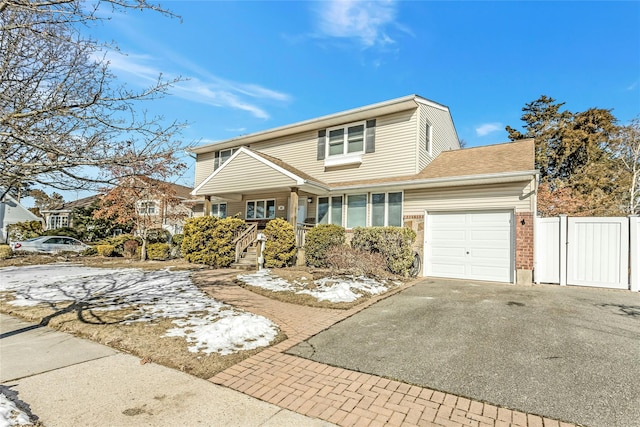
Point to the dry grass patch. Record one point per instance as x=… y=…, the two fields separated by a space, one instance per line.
x=24 y=259
x=142 y=339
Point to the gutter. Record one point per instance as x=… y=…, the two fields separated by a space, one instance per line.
x=455 y=181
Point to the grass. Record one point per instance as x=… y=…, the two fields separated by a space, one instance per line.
x=145 y=339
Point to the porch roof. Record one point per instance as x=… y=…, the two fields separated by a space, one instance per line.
x=249 y=171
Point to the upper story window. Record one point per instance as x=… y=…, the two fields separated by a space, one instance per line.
x=222 y=156
x=345 y=140
x=345 y=144
x=147 y=207
x=429 y=138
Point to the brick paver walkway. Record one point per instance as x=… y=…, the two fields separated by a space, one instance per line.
x=341 y=396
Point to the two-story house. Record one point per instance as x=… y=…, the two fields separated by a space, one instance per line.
x=398 y=163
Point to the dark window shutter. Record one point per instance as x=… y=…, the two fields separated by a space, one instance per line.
x=321 y=143
x=370 y=137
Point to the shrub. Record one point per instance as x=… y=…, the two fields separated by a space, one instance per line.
x=105 y=250
x=158 y=235
x=158 y=251
x=90 y=251
x=129 y=248
x=209 y=240
x=118 y=242
x=176 y=239
x=356 y=262
x=24 y=230
x=318 y=240
x=393 y=243
x=5 y=252
x=280 y=247
x=64 y=231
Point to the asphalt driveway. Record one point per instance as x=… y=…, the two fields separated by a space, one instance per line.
x=563 y=352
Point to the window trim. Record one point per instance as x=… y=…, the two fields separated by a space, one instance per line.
x=217 y=157
x=246 y=207
x=345 y=139
x=329 y=209
x=386 y=207
x=218 y=209
x=143 y=207
x=429 y=141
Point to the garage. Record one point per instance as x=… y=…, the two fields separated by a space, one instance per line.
x=474 y=245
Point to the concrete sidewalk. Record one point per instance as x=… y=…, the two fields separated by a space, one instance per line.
x=68 y=381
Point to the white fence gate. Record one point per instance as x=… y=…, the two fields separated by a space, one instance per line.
x=589 y=251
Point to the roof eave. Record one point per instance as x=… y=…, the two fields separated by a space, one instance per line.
x=361 y=113
x=455 y=181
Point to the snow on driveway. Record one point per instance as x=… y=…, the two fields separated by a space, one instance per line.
x=11 y=415
x=345 y=289
x=208 y=325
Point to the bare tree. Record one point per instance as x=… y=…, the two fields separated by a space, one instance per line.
x=65 y=122
x=626 y=147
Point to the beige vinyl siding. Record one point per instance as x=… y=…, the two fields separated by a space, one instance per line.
x=204 y=166
x=246 y=174
x=394 y=155
x=517 y=195
x=443 y=136
x=240 y=207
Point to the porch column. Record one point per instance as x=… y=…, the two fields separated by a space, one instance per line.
x=207 y=206
x=293 y=207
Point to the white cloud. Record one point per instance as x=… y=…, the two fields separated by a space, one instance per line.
x=632 y=86
x=487 y=128
x=365 y=21
x=197 y=85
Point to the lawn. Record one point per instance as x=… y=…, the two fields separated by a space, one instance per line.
x=160 y=311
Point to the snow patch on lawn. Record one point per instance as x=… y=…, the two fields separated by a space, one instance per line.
x=211 y=325
x=11 y=415
x=346 y=289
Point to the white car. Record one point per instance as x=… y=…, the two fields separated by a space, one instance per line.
x=50 y=244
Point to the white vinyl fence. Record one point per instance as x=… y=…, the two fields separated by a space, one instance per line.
x=588 y=251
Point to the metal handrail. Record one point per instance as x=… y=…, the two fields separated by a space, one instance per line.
x=246 y=239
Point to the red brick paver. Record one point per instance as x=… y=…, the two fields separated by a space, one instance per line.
x=341 y=396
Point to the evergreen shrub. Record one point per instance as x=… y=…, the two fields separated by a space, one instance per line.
x=158 y=251
x=280 y=247
x=24 y=230
x=209 y=240
x=105 y=250
x=5 y=252
x=393 y=243
x=320 y=239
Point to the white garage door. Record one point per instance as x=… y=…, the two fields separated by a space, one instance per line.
x=470 y=245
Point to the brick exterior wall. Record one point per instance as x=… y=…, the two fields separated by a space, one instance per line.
x=524 y=241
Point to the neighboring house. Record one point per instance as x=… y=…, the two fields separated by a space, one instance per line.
x=170 y=216
x=397 y=162
x=12 y=212
x=162 y=214
x=62 y=216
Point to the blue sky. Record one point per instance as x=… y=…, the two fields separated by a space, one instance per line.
x=254 y=65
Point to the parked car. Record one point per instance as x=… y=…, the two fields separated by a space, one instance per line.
x=50 y=244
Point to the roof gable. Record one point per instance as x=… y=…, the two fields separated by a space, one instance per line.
x=266 y=172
